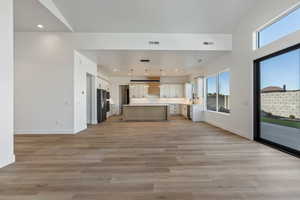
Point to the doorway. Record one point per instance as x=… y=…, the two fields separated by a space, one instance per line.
x=89 y=99
x=124 y=97
x=277 y=100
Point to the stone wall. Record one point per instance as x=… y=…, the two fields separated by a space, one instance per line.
x=281 y=103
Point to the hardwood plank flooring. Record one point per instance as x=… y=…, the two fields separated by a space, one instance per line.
x=175 y=160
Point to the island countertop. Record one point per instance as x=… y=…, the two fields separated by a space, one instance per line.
x=144 y=105
x=146 y=112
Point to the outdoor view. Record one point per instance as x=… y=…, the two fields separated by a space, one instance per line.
x=218 y=92
x=224 y=92
x=285 y=26
x=280 y=99
x=211 y=99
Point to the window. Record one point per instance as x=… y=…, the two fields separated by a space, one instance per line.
x=284 y=26
x=218 y=92
x=277 y=99
x=224 y=92
x=211 y=98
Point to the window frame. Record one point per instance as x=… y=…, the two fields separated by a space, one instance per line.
x=257 y=100
x=206 y=91
x=270 y=23
x=217 y=75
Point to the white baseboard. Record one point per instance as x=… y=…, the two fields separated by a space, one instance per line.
x=43 y=132
x=7 y=161
x=79 y=130
x=234 y=131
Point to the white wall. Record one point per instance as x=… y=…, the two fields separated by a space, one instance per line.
x=45 y=65
x=240 y=62
x=43 y=84
x=82 y=66
x=6 y=83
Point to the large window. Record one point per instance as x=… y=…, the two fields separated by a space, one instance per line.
x=224 y=92
x=278 y=99
x=284 y=26
x=218 y=92
x=211 y=97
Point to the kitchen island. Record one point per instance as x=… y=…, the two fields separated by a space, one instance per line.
x=146 y=112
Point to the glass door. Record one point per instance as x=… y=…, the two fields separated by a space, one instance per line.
x=277 y=83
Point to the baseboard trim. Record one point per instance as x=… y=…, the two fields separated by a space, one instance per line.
x=80 y=130
x=9 y=160
x=233 y=131
x=43 y=132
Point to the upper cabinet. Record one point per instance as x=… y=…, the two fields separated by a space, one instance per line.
x=188 y=91
x=166 y=91
x=171 y=91
x=138 y=90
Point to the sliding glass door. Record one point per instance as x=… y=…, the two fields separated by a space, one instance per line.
x=277 y=83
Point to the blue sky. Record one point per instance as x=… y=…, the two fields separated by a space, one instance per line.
x=278 y=71
x=212 y=84
x=281 y=28
x=224 y=82
x=282 y=70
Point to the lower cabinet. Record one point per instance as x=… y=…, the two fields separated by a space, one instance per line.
x=175 y=109
x=184 y=110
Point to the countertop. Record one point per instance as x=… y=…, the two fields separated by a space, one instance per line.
x=145 y=105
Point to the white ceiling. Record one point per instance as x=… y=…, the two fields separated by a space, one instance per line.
x=154 y=16
x=29 y=13
x=173 y=63
x=135 y=16
x=139 y=16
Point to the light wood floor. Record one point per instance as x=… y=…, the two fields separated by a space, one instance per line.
x=176 y=160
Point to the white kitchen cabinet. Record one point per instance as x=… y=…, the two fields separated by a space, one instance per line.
x=197 y=113
x=184 y=110
x=178 y=91
x=171 y=91
x=164 y=91
x=175 y=109
x=132 y=91
x=142 y=90
x=188 y=91
x=138 y=91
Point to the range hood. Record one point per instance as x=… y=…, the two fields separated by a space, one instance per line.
x=153 y=83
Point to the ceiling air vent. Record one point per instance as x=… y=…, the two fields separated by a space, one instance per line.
x=154 y=42
x=208 y=43
x=145 y=60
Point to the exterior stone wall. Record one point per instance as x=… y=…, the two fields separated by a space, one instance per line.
x=282 y=104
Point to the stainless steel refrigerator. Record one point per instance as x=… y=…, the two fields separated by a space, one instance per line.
x=102 y=105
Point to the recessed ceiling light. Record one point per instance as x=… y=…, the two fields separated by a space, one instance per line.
x=40 y=26
x=115 y=70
